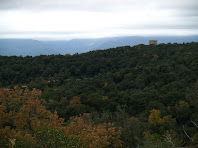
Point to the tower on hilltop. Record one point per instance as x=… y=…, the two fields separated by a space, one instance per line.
x=152 y=42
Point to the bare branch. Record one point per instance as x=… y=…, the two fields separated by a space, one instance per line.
x=195 y=124
x=187 y=134
x=169 y=139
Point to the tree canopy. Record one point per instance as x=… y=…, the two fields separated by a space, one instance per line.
x=140 y=96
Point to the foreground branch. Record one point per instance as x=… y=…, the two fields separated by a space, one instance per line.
x=187 y=134
x=169 y=139
x=195 y=124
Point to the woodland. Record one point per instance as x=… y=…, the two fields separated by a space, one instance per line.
x=145 y=96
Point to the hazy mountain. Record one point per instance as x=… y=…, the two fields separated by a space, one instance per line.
x=76 y=45
x=24 y=47
x=34 y=47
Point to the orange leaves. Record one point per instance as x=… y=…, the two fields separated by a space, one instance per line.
x=26 y=109
x=154 y=117
x=34 y=116
x=168 y=108
x=15 y=97
x=75 y=101
x=165 y=118
x=4 y=116
x=23 y=111
x=55 y=121
x=92 y=136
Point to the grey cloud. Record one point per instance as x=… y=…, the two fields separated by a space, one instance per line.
x=92 y=5
x=183 y=13
x=14 y=4
x=187 y=13
x=159 y=26
x=179 y=4
x=100 y=5
x=180 y=7
x=58 y=4
x=42 y=32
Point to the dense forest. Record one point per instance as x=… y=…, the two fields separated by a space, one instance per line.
x=143 y=96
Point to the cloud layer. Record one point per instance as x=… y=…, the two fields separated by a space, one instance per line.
x=66 y=19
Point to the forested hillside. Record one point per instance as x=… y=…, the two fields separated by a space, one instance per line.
x=140 y=96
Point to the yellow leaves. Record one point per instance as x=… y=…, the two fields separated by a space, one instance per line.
x=105 y=98
x=154 y=117
x=183 y=104
x=67 y=54
x=12 y=141
x=106 y=84
x=155 y=57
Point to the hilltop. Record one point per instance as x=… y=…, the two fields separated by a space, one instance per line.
x=148 y=90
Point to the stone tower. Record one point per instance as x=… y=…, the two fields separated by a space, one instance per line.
x=152 y=42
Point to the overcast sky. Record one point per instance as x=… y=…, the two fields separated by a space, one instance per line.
x=68 y=19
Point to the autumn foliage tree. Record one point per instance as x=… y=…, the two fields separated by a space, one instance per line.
x=25 y=121
x=102 y=135
x=22 y=114
x=154 y=117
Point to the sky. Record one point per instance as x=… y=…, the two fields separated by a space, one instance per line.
x=69 y=19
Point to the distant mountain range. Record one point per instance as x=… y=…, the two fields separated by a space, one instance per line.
x=24 y=47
